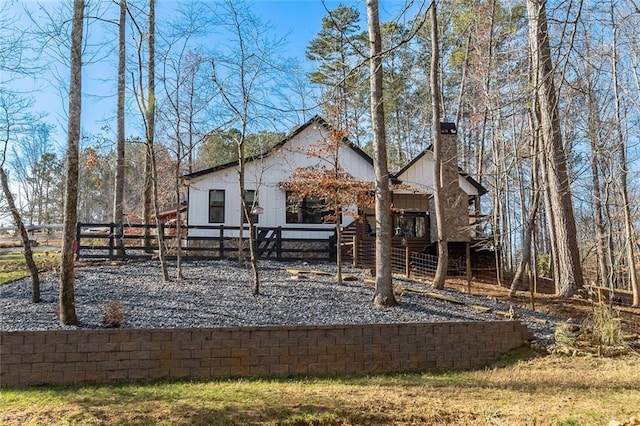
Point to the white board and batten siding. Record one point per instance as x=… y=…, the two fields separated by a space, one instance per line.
x=265 y=176
x=419 y=175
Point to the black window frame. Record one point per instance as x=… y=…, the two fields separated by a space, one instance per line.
x=410 y=225
x=306 y=211
x=218 y=207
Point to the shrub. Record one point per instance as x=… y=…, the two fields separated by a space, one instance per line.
x=605 y=326
x=600 y=333
x=543 y=263
x=112 y=314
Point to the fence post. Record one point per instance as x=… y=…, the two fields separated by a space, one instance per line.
x=407 y=261
x=279 y=243
x=111 y=240
x=354 y=243
x=468 y=261
x=221 y=244
x=161 y=239
x=76 y=243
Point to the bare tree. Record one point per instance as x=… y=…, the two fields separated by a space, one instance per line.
x=624 y=168
x=443 y=250
x=243 y=78
x=331 y=183
x=150 y=125
x=118 y=210
x=146 y=106
x=530 y=223
x=30 y=151
x=13 y=118
x=146 y=101
x=384 y=285
x=67 y=302
x=186 y=106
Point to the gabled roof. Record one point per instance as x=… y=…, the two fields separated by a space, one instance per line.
x=316 y=119
x=481 y=189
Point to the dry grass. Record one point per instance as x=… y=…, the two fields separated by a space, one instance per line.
x=576 y=308
x=13 y=265
x=549 y=390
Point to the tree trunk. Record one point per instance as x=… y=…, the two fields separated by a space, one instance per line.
x=255 y=273
x=151 y=125
x=147 y=205
x=594 y=124
x=569 y=273
x=337 y=209
x=118 y=212
x=28 y=253
x=246 y=209
x=526 y=244
x=67 y=302
x=443 y=250
x=179 y=274
x=527 y=238
x=624 y=171
x=384 y=285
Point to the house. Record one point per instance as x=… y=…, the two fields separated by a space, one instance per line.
x=170 y=214
x=461 y=193
x=214 y=205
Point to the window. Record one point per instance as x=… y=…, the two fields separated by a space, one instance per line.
x=216 y=206
x=410 y=225
x=305 y=210
x=251 y=200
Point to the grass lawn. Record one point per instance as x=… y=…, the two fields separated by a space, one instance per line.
x=520 y=390
x=13 y=266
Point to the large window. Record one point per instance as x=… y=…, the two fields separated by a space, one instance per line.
x=216 y=206
x=251 y=200
x=305 y=210
x=410 y=225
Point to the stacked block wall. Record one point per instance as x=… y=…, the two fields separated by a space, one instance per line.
x=117 y=355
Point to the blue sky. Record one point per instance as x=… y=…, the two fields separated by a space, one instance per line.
x=298 y=21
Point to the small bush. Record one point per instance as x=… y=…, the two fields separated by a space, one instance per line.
x=112 y=314
x=566 y=334
x=600 y=333
x=605 y=326
x=543 y=263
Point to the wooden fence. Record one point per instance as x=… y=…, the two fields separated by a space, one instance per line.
x=113 y=241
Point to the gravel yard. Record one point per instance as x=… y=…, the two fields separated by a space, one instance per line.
x=218 y=294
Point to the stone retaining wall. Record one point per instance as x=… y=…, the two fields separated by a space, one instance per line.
x=116 y=355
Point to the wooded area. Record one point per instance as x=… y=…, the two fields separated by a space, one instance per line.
x=544 y=96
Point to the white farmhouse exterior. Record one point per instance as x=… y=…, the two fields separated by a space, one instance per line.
x=218 y=188
x=214 y=195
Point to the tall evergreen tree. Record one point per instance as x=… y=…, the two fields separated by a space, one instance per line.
x=337 y=50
